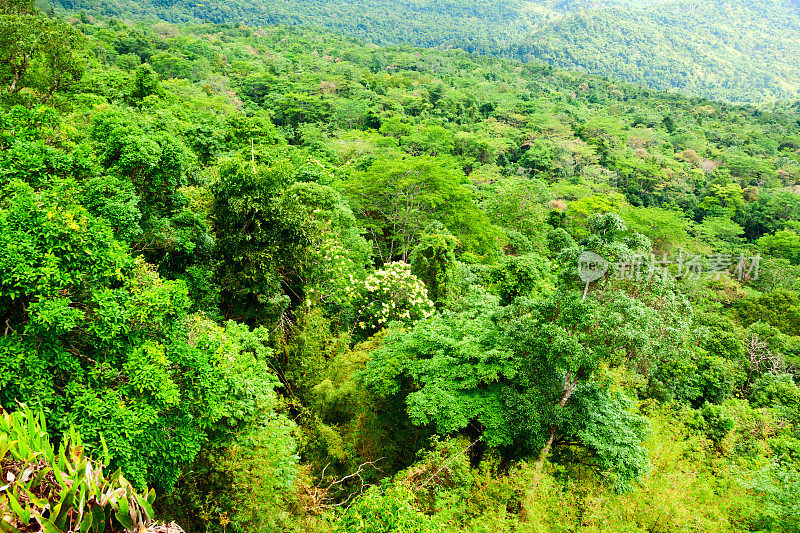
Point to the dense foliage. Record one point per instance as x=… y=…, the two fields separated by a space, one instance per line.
x=741 y=51
x=297 y=283
x=53 y=491
x=736 y=51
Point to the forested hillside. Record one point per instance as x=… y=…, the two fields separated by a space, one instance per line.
x=741 y=50
x=421 y=22
x=294 y=282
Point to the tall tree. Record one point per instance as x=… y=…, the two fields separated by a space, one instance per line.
x=397 y=199
x=39 y=52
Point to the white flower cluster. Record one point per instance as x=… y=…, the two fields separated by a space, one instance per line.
x=311 y=162
x=336 y=283
x=394 y=293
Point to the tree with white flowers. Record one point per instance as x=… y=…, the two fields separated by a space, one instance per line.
x=392 y=293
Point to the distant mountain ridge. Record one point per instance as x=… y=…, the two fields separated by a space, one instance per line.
x=739 y=50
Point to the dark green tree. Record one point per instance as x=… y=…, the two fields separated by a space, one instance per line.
x=261 y=245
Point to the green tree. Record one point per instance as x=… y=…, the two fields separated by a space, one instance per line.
x=152 y=160
x=543 y=156
x=337 y=255
x=247 y=467
x=433 y=261
x=263 y=247
x=397 y=199
x=61 y=63
x=99 y=341
x=519 y=204
x=720 y=233
x=39 y=52
x=525 y=376
x=780 y=308
x=389 y=511
x=667 y=230
x=17 y=6
x=145 y=82
x=19 y=44
x=784 y=244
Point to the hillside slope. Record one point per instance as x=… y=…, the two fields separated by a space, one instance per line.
x=298 y=283
x=738 y=50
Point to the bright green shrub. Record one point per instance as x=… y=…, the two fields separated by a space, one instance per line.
x=64 y=491
x=389 y=510
x=100 y=341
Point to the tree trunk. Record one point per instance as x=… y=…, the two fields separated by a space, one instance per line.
x=570 y=384
x=19 y=71
x=546 y=449
x=13 y=87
